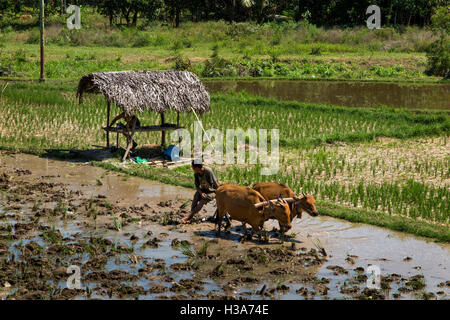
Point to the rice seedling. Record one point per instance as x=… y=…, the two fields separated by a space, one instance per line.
x=381 y=159
x=185 y=249
x=51 y=236
x=117 y=224
x=203 y=249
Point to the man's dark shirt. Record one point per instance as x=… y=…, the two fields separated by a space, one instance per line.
x=206 y=182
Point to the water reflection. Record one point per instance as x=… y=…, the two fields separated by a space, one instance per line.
x=353 y=94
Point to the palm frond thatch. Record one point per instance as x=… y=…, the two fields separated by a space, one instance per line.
x=138 y=91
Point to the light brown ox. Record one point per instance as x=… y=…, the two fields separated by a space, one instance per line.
x=273 y=190
x=25 y=17
x=249 y=206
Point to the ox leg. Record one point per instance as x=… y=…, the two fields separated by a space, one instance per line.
x=244 y=229
x=282 y=237
x=227 y=221
x=264 y=233
x=219 y=222
x=216 y=217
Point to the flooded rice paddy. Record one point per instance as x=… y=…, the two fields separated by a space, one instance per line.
x=350 y=94
x=124 y=234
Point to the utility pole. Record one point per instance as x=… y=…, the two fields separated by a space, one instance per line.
x=42 y=78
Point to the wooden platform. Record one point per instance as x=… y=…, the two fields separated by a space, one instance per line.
x=165 y=127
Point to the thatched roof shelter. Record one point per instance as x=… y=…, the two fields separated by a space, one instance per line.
x=138 y=91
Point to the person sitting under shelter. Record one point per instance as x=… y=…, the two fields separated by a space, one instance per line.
x=205 y=183
x=128 y=124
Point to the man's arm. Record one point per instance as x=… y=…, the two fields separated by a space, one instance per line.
x=214 y=181
x=197 y=183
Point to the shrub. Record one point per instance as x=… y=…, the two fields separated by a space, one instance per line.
x=316 y=50
x=182 y=64
x=438 y=54
x=141 y=40
x=159 y=41
x=34 y=37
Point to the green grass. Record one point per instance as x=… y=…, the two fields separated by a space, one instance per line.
x=302 y=125
x=291 y=50
x=387 y=161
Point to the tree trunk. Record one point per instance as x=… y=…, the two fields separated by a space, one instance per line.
x=390 y=14
x=18 y=7
x=135 y=18
x=299 y=15
x=177 y=16
x=126 y=15
x=206 y=10
x=233 y=11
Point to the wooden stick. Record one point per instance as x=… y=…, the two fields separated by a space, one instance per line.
x=42 y=39
x=129 y=141
x=179 y=137
x=163 y=133
x=107 y=123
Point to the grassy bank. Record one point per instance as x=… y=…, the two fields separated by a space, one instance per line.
x=218 y=49
x=384 y=166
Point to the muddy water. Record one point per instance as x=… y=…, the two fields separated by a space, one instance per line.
x=349 y=246
x=393 y=252
x=352 y=94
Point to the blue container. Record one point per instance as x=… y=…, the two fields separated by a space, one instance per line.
x=172 y=153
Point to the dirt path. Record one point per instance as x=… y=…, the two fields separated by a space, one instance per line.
x=124 y=235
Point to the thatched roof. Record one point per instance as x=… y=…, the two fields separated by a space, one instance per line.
x=138 y=91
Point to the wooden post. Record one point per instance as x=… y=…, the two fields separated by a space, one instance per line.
x=107 y=123
x=163 y=133
x=42 y=77
x=179 y=138
x=129 y=141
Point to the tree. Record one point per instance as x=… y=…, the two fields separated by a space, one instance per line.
x=109 y=8
x=174 y=9
x=5 y=6
x=258 y=7
x=438 y=53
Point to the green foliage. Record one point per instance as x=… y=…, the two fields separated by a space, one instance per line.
x=182 y=64
x=440 y=21
x=438 y=54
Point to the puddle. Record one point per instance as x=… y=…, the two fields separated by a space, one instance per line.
x=160 y=269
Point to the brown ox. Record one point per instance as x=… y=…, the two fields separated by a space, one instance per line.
x=25 y=17
x=249 y=206
x=273 y=190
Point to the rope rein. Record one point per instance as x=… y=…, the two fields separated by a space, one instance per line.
x=201 y=125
